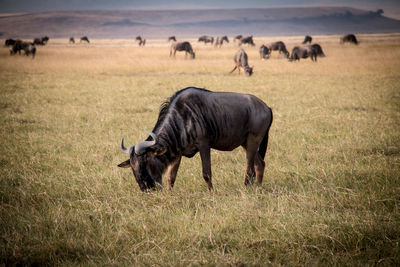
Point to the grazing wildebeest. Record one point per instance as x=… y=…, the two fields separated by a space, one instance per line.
x=38 y=41
x=219 y=42
x=206 y=39
x=17 y=47
x=241 y=61
x=197 y=120
x=318 y=50
x=349 y=38
x=141 y=40
x=302 y=52
x=41 y=41
x=30 y=49
x=84 y=38
x=278 y=46
x=312 y=51
x=237 y=37
x=27 y=47
x=183 y=46
x=247 y=40
x=172 y=38
x=307 y=39
x=264 y=52
x=9 y=42
x=71 y=40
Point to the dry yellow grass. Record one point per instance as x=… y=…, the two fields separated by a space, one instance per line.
x=331 y=188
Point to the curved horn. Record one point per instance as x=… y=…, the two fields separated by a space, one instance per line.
x=141 y=146
x=124 y=149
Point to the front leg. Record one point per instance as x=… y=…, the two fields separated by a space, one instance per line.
x=172 y=171
x=206 y=165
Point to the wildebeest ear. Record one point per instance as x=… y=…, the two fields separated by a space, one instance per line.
x=125 y=164
x=160 y=151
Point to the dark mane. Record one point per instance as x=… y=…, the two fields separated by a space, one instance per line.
x=164 y=108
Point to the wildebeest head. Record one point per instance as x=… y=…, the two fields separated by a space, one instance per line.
x=248 y=70
x=143 y=159
x=287 y=54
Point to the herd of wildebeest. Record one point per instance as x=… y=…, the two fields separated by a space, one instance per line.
x=241 y=60
x=197 y=120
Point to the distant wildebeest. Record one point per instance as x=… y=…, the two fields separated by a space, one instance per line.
x=247 y=40
x=30 y=49
x=307 y=39
x=312 y=51
x=219 y=42
x=264 y=52
x=27 y=47
x=84 y=38
x=278 y=46
x=206 y=39
x=241 y=61
x=172 y=38
x=71 y=40
x=9 y=42
x=41 y=41
x=301 y=52
x=38 y=41
x=237 y=37
x=17 y=47
x=318 y=50
x=141 y=40
x=182 y=46
x=198 y=120
x=349 y=38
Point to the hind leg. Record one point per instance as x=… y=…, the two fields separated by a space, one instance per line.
x=259 y=166
x=249 y=175
x=251 y=159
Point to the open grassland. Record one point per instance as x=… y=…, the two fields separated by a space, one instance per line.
x=331 y=190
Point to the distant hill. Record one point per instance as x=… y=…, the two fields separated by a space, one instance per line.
x=192 y=23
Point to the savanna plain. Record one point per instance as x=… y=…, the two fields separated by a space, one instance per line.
x=331 y=189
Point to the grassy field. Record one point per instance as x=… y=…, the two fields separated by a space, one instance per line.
x=331 y=191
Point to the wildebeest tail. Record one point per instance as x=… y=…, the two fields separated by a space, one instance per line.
x=264 y=143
